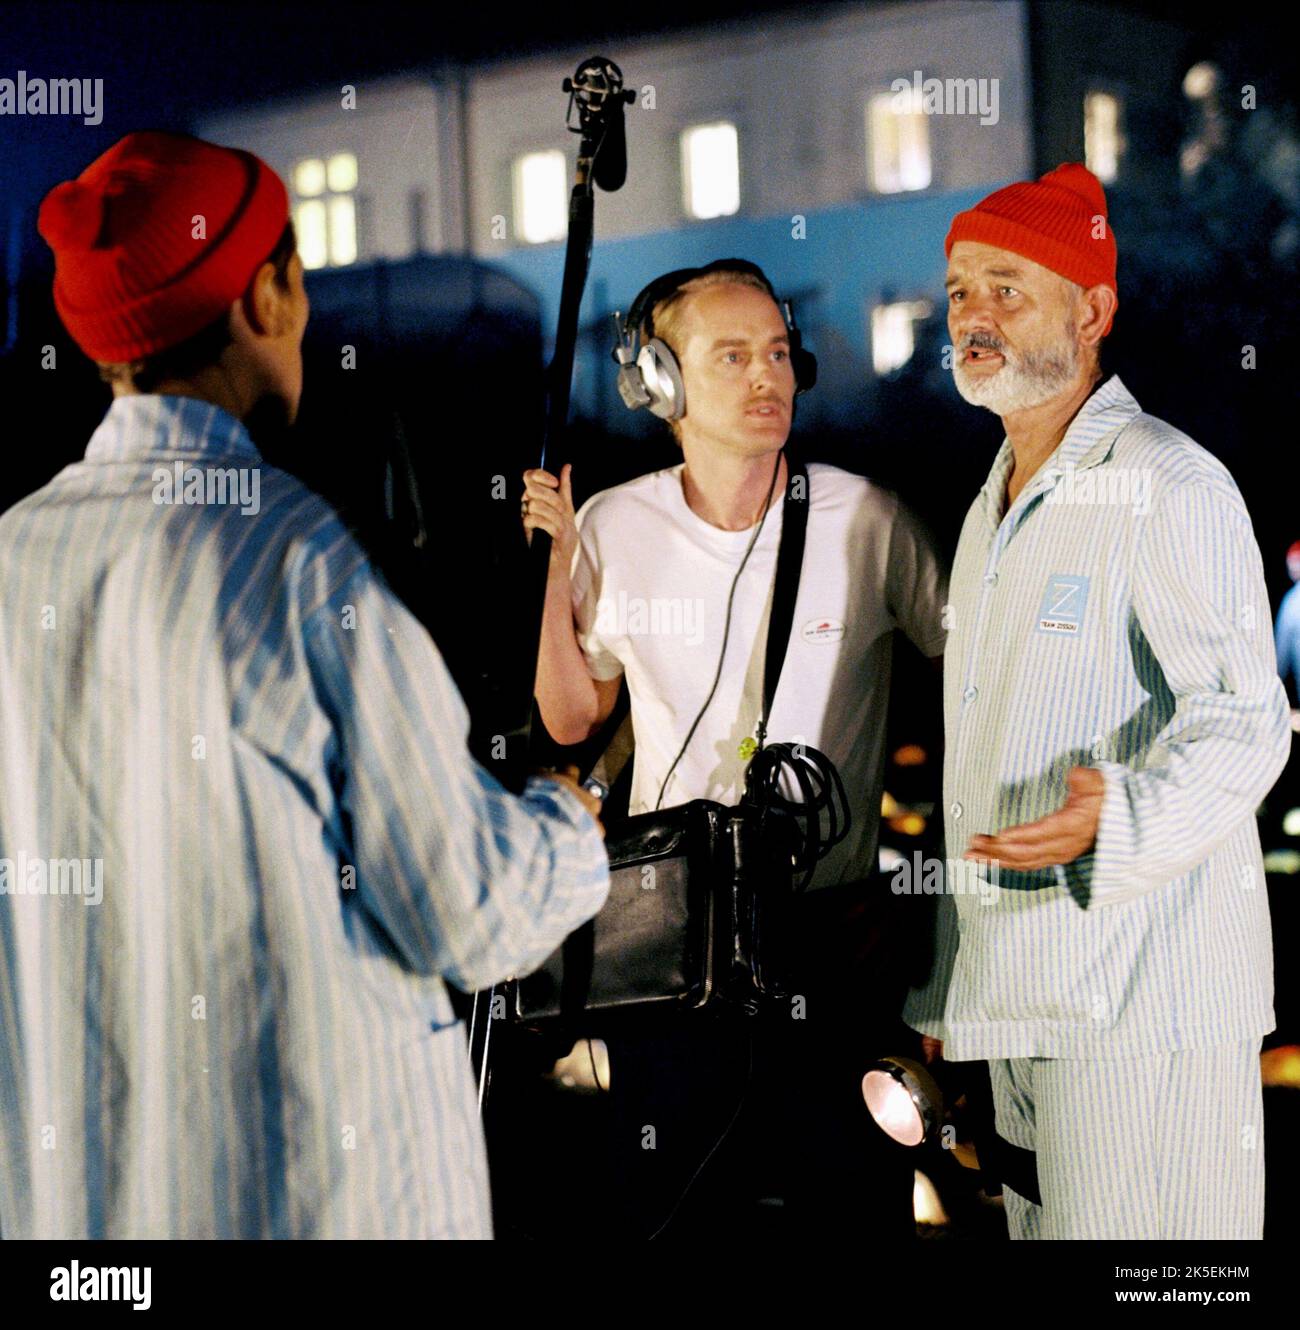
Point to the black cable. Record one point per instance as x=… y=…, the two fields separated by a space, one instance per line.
x=820 y=789
x=591 y=1057
x=726 y=632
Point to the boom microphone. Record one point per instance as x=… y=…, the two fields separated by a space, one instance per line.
x=596 y=91
x=609 y=169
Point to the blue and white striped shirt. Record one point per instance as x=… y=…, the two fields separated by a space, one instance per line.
x=242 y=846
x=1116 y=617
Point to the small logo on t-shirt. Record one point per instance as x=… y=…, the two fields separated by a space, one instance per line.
x=823 y=630
x=1063 y=603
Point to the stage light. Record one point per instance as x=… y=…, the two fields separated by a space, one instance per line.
x=1291 y=822
x=903 y=1099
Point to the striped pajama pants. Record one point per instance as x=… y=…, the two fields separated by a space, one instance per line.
x=1150 y=1147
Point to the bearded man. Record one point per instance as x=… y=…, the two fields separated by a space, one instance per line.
x=1113 y=718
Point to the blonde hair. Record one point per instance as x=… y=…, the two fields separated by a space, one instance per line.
x=666 y=314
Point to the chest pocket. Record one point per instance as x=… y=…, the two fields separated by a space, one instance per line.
x=1063 y=606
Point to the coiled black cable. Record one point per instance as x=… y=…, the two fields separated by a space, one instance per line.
x=820 y=790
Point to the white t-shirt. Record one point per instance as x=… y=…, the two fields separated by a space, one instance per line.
x=650 y=585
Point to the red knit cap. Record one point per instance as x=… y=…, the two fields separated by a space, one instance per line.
x=134 y=271
x=1058 y=220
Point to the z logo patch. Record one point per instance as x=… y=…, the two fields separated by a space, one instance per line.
x=1063 y=604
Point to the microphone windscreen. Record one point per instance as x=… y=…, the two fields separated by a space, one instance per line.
x=610 y=166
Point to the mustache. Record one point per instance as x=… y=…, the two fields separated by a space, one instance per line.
x=985 y=341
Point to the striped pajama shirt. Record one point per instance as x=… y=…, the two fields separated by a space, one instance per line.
x=248 y=1034
x=1115 y=617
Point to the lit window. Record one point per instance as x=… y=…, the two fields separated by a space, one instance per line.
x=1102 y=141
x=325 y=211
x=309 y=224
x=341 y=172
x=309 y=178
x=711 y=170
x=893 y=333
x=898 y=143
x=343 y=229
x=541 y=199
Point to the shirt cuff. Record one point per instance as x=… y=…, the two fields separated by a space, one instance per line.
x=557 y=792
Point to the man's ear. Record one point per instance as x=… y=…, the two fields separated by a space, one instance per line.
x=1097 y=308
x=264 y=305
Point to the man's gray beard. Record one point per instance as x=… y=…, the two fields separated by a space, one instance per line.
x=1029 y=380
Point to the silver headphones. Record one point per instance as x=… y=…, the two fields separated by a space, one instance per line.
x=650 y=375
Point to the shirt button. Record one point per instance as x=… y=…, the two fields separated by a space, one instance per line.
x=990 y=578
x=955 y=810
x=971 y=693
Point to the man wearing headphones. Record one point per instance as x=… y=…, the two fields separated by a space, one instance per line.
x=668 y=579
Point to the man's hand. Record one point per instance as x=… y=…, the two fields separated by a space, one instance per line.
x=1058 y=838
x=548 y=506
x=569 y=776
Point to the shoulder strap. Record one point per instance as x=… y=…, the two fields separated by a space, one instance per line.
x=789 y=562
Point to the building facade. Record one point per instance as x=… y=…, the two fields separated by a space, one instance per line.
x=831 y=145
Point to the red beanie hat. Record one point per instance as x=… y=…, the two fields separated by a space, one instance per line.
x=1058 y=220
x=156 y=238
